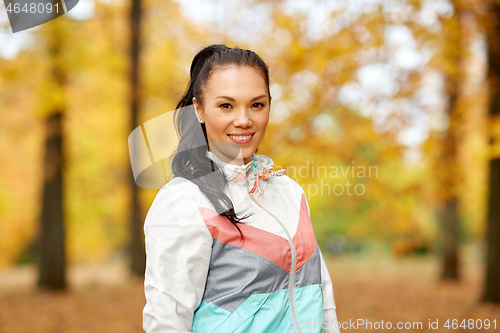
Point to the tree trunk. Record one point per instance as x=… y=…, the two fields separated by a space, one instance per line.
x=449 y=160
x=450 y=268
x=52 y=257
x=137 y=251
x=492 y=284
x=450 y=216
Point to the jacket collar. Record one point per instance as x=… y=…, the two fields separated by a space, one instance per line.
x=232 y=170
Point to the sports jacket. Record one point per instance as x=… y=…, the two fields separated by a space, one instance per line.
x=201 y=277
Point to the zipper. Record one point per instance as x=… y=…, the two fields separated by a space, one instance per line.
x=292 y=273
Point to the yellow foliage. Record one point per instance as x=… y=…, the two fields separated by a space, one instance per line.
x=397 y=201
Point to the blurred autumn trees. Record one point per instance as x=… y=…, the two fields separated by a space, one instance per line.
x=396 y=86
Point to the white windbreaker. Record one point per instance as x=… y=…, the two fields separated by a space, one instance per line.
x=202 y=277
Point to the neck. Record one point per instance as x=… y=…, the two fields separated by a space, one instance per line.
x=239 y=160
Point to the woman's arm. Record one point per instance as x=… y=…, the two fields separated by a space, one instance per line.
x=329 y=307
x=178 y=249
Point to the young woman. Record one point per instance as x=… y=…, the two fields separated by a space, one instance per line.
x=229 y=242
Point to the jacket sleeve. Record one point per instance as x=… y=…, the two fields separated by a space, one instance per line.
x=330 y=322
x=330 y=314
x=178 y=249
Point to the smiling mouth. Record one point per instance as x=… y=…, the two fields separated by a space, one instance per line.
x=240 y=137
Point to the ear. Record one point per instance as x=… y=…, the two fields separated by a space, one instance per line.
x=197 y=109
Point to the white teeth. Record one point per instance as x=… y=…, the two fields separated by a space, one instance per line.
x=241 y=138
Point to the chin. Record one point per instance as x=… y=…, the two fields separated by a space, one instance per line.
x=248 y=153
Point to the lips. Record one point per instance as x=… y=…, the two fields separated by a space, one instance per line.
x=241 y=137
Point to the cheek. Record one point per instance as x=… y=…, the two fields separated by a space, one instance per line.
x=216 y=130
x=263 y=123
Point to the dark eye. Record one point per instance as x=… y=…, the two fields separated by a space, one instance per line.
x=225 y=105
x=258 y=104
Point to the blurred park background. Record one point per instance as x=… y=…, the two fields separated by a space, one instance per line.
x=385 y=111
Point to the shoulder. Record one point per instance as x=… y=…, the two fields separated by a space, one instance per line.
x=286 y=187
x=180 y=188
x=179 y=199
x=293 y=184
x=180 y=185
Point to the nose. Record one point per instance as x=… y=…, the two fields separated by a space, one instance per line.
x=242 y=119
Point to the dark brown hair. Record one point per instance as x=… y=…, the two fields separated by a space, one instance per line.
x=190 y=160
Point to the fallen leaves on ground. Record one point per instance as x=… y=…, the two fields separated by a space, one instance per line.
x=108 y=299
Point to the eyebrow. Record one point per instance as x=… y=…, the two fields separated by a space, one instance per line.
x=232 y=99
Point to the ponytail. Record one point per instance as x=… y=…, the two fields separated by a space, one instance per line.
x=190 y=160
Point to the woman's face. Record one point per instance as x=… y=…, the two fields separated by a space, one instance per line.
x=236 y=112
